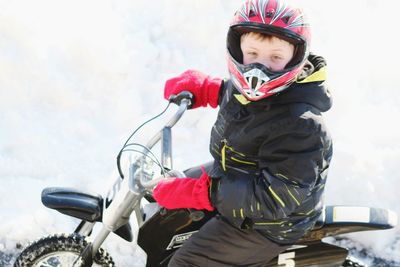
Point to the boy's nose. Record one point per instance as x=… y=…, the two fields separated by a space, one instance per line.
x=266 y=63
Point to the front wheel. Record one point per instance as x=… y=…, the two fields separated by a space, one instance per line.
x=59 y=251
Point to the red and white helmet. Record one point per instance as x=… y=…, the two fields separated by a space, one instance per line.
x=271 y=17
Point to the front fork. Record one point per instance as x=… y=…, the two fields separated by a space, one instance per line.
x=84 y=228
x=117 y=214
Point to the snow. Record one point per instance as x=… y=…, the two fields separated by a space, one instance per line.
x=76 y=77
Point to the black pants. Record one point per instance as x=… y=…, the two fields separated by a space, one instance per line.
x=219 y=244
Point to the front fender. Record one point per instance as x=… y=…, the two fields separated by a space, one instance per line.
x=81 y=205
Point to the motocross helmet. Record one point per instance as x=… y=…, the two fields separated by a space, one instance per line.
x=274 y=18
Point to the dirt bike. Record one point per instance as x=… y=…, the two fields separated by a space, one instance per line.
x=162 y=232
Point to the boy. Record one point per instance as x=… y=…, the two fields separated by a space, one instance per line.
x=270 y=146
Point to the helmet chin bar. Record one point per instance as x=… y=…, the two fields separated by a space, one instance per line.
x=255 y=79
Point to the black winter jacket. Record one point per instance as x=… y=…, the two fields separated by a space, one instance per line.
x=272 y=156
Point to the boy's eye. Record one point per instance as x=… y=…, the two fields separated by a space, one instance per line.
x=252 y=54
x=277 y=58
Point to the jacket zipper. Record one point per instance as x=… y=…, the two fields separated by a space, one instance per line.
x=224 y=141
x=223 y=155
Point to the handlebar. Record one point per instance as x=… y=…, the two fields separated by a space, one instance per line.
x=184 y=100
x=183 y=106
x=177 y=99
x=152 y=183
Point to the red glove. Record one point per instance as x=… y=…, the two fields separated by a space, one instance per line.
x=176 y=193
x=203 y=87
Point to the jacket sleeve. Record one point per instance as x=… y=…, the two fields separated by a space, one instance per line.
x=222 y=90
x=290 y=161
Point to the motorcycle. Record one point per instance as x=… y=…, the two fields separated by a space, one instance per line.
x=161 y=232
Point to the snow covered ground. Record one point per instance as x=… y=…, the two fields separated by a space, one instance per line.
x=76 y=77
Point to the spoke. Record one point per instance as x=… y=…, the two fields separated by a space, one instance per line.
x=58 y=259
x=61 y=259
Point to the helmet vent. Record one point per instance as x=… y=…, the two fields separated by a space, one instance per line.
x=286 y=19
x=252 y=13
x=254 y=82
x=255 y=79
x=270 y=13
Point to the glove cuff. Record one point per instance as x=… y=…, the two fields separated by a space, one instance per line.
x=201 y=192
x=213 y=87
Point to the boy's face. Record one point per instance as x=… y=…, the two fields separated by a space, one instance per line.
x=272 y=52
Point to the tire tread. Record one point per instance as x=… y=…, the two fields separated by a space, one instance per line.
x=59 y=242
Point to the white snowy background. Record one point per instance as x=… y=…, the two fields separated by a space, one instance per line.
x=76 y=77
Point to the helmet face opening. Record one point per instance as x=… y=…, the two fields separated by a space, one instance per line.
x=236 y=31
x=272 y=18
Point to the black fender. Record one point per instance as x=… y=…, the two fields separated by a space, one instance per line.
x=86 y=206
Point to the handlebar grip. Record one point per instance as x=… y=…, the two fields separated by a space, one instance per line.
x=177 y=99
